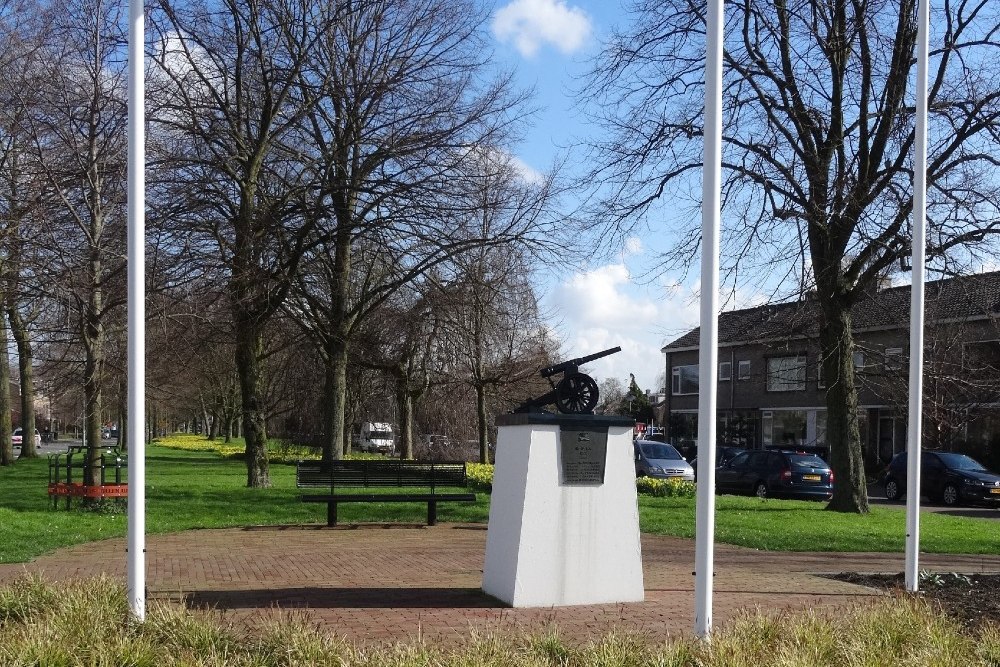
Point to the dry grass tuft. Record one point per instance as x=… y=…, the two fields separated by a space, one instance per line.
x=87 y=623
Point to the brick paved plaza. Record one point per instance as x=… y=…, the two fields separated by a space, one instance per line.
x=385 y=583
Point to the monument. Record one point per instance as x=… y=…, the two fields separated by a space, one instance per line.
x=564 y=519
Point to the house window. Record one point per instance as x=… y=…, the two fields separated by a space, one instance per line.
x=893 y=358
x=786 y=373
x=784 y=428
x=859 y=361
x=725 y=370
x=685 y=380
x=820 y=380
x=743 y=370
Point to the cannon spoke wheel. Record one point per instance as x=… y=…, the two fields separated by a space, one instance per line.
x=576 y=394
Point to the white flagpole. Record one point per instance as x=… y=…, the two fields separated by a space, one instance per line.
x=913 y=434
x=136 y=440
x=708 y=356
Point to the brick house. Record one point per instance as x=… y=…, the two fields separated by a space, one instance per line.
x=771 y=390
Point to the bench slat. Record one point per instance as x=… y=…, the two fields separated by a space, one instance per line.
x=385 y=474
x=387 y=497
x=367 y=473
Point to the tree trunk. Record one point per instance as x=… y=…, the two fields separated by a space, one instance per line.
x=25 y=357
x=154 y=421
x=249 y=351
x=334 y=399
x=209 y=429
x=6 y=445
x=337 y=441
x=91 y=419
x=123 y=431
x=92 y=381
x=404 y=406
x=482 y=424
x=850 y=493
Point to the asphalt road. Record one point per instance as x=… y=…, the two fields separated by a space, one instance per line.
x=876 y=496
x=59 y=446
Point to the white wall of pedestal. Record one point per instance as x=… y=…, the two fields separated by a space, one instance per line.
x=552 y=545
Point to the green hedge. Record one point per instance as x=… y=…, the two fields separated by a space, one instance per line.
x=481 y=479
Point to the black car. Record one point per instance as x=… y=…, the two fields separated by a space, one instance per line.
x=945 y=477
x=776 y=473
x=723 y=455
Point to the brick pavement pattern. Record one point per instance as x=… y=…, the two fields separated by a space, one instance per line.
x=376 y=584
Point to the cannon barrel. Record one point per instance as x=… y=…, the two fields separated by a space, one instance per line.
x=574 y=363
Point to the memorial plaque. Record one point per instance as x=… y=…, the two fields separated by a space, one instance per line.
x=583 y=455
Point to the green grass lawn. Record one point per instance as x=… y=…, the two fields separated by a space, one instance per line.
x=200 y=489
x=802 y=525
x=184 y=490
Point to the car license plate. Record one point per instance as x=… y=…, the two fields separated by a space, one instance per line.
x=995 y=490
x=811 y=478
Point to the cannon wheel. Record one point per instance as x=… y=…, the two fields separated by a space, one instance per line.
x=576 y=394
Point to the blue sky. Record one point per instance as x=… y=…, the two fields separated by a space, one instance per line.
x=548 y=43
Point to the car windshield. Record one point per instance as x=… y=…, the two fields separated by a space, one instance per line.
x=380 y=434
x=806 y=461
x=656 y=450
x=961 y=462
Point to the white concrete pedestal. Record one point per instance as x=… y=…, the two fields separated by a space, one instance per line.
x=553 y=541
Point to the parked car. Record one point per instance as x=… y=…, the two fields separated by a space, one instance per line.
x=723 y=455
x=17 y=437
x=783 y=474
x=660 y=460
x=945 y=477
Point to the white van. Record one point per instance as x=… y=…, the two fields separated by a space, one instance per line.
x=376 y=437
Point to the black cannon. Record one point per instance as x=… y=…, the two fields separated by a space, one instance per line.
x=575 y=393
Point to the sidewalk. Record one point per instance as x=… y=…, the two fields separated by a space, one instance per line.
x=389 y=583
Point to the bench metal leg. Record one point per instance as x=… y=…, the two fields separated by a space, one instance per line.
x=432 y=512
x=331 y=514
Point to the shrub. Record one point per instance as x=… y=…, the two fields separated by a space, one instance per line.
x=481 y=479
x=480 y=476
x=665 y=488
x=278 y=450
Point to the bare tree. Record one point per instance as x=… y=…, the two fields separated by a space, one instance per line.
x=236 y=180
x=17 y=45
x=612 y=392
x=818 y=133
x=400 y=120
x=78 y=131
x=493 y=330
x=399 y=341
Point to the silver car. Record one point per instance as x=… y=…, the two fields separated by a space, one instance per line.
x=660 y=460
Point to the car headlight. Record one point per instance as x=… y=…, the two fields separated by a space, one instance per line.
x=972 y=482
x=654 y=469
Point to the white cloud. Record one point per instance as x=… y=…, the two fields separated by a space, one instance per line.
x=602 y=308
x=531 y=23
x=633 y=246
x=528 y=174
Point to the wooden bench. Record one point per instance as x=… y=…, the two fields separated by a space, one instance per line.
x=389 y=473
